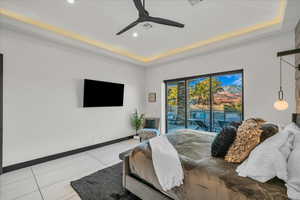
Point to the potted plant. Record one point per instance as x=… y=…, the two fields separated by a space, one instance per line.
x=137 y=121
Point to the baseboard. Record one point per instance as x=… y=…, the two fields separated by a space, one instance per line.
x=60 y=155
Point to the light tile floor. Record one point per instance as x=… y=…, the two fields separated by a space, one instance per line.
x=51 y=180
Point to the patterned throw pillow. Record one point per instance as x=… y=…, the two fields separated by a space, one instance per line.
x=247 y=138
x=223 y=141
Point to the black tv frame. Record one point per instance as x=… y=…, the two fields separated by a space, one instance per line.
x=113 y=83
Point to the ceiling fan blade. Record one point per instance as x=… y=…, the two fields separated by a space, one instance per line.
x=164 y=21
x=128 y=27
x=139 y=6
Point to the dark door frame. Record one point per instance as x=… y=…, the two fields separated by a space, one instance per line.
x=201 y=76
x=1 y=113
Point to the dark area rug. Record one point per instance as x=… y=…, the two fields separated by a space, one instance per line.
x=105 y=184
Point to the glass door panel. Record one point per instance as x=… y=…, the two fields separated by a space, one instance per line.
x=198 y=104
x=227 y=94
x=175 y=105
x=206 y=103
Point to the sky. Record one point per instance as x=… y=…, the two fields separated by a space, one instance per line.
x=232 y=79
x=226 y=80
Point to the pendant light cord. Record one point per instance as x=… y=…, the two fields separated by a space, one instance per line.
x=280 y=73
x=280 y=93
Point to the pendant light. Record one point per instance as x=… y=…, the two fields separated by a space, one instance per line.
x=281 y=104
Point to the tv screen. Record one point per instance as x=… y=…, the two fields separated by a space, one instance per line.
x=102 y=94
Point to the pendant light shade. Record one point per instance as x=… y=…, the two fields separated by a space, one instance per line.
x=281 y=105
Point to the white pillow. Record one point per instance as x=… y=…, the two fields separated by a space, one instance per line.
x=293 y=182
x=269 y=159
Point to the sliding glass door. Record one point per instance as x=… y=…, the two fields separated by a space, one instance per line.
x=198 y=103
x=227 y=104
x=176 y=108
x=207 y=102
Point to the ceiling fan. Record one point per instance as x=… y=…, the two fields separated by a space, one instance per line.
x=145 y=17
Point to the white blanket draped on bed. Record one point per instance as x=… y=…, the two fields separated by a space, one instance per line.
x=166 y=163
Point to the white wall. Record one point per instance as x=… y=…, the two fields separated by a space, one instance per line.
x=43 y=88
x=261 y=71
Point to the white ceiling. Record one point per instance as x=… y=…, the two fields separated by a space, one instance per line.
x=101 y=19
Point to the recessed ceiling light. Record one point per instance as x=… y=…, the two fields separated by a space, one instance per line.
x=135 y=34
x=71 y=1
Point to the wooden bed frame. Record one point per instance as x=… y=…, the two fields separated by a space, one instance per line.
x=138 y=187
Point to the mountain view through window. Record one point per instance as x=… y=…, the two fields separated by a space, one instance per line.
x=206 y=103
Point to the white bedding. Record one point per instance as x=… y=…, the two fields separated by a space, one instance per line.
x=277 y=156
x=293 y=182
x=269 y=159
x=166 y=163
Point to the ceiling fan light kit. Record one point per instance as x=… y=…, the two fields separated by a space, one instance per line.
x=194 y=2
x=144 y=16
x=147 y=26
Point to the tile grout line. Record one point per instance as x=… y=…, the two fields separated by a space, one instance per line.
x=93 y=157
x=37 y=183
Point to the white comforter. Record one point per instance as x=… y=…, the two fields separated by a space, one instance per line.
x=293 y=182
x=277 y=156
x=269 y=159
x=166 y=163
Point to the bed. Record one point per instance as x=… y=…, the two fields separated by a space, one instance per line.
x=206 y=178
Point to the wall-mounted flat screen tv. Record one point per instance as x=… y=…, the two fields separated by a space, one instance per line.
x=102 y=94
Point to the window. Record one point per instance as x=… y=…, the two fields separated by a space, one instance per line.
x=207 y=102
